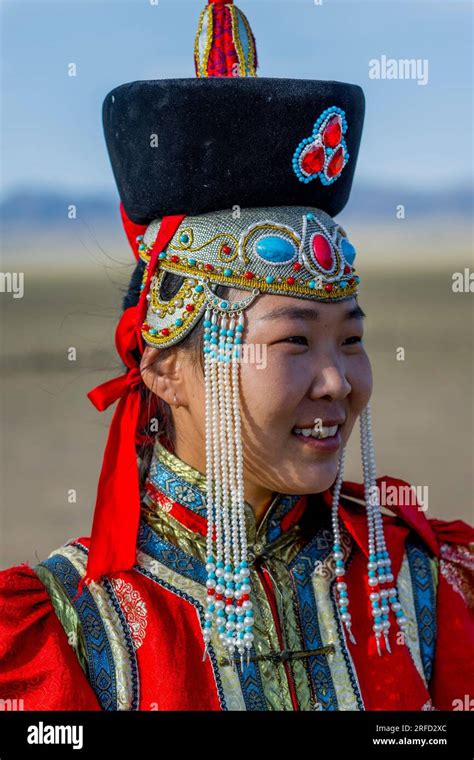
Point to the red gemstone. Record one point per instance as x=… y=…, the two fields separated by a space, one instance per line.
x=333 y=132
x=347 y=269
x=297 y=267
x=322 y=251
x=313 y=160
x=245 y=597
x=208 y=267
x=229 y=600
x=175 y=258
x=219 y=597
x=189 y=307
x=290 y=280
x=226 y=249
x=145 y=326
x=336 y=163
x=211 y=592
x=248 y=275
x=328 y=287
x=165 y=331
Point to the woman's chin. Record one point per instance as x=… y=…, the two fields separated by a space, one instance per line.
x=310 y=479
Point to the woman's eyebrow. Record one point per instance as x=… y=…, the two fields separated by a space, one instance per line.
x=299 y=312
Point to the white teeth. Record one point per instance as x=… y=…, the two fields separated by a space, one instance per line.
x=324 y=432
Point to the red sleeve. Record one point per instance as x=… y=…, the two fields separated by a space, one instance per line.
x=453 y=671
x=37 y=664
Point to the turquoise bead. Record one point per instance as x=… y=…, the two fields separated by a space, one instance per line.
x=269 y=279
x=192 y=262
x=199 y=288
x=239 y=328
x=348 y=250
x=228 y=272
x=178 y=322
x=275 y=249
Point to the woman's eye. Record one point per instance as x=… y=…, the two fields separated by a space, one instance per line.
x=297 y=339
x=352 y=340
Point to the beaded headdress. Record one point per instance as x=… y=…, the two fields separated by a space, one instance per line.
x=240 y=191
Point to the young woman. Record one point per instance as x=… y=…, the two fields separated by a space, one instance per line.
x=234 y=569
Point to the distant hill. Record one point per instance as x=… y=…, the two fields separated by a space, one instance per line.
x=48 y=209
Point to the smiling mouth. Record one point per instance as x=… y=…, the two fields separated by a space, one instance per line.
x=318 y=433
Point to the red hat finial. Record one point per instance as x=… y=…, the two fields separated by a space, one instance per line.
x=225 y=45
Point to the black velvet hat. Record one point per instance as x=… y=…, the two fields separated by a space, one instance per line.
x=192 y=146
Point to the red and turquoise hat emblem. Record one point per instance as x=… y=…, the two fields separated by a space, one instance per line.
x=324 y=154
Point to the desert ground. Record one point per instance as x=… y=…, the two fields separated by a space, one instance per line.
x=52 y=438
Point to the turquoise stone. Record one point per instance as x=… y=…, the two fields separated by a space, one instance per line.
x=348 y=250
x=276 y=249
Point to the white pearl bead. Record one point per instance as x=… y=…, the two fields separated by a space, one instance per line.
x=210 y=583
x=374 y=596
x=248 y=636
x=373 y=581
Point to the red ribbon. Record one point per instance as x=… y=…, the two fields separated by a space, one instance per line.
x=117 y=509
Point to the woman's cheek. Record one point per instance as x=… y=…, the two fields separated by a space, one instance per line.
x=360 y=378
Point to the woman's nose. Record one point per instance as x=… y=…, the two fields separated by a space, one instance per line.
x=330 y=381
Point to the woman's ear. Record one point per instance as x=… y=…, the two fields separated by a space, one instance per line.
x=162 y=374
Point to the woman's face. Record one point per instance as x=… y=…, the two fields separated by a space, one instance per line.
x=306 y=366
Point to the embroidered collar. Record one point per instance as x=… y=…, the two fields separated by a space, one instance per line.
x=179 y=489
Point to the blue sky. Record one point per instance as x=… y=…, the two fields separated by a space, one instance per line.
x=415 y=136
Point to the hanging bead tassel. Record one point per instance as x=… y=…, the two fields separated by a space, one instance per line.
x=341 y=586
x=379 y=563
x=228 y=586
